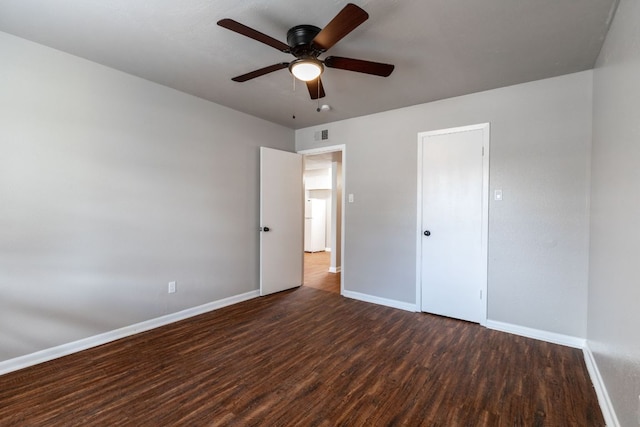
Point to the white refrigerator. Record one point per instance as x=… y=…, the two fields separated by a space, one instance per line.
x=315 y=211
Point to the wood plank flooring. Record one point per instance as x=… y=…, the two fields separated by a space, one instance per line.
x=308 y=357
x=316 y=272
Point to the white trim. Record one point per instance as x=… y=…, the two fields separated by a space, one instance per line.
x=552 y=337
x=419 y=229
x=486 y=150
x=606 y=406
x=331 y=149
x=486 y=128
x=335 y=269
x=380 y=301
x=116 y=334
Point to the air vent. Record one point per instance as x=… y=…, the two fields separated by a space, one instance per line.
x=321 y=135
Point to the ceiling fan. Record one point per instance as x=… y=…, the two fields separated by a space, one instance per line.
x=307 y=43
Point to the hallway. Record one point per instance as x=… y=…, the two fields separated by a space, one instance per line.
x=316 y=272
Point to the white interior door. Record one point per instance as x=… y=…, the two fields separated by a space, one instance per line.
x=281 y=220
x=453 y=222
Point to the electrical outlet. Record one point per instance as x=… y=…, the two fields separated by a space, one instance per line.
x=172 y=287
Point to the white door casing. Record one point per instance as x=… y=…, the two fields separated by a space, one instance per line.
x=453 y=190
x=281 y=220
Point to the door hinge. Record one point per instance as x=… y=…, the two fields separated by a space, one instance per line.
x=483 y=150
x=480 y=293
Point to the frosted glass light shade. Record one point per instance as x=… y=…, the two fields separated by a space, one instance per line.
x=306 y=69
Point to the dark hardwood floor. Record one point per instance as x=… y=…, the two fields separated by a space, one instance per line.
x=308 y=357
x=316 y=272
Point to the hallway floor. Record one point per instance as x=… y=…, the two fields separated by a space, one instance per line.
x=316 y=272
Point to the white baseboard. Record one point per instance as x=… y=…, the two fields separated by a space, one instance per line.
x=96 y=340
x=380 y=301
x=335 y=269
x=609 y=414
x=552 y=337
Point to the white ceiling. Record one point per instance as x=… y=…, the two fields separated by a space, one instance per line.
x=441 y=48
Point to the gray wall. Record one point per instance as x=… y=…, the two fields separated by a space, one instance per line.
x=110 y=187
x=538 y=244
x=614 y=287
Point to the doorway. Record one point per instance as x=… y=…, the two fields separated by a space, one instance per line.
x=453 y=190
x=324 y=180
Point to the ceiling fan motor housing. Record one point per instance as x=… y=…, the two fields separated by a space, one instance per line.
x=299 y=40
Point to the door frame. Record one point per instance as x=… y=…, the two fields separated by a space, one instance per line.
x=332 y=149
x=485 y=127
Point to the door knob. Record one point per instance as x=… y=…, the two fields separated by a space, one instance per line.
x=427 y=233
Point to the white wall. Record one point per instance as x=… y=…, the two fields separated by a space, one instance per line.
x=538 y=245
x=110 y=187
x=614 y=285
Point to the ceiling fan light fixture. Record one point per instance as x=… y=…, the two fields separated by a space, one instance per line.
x=306 y=69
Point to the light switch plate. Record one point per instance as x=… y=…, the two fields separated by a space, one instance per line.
x=497 y=195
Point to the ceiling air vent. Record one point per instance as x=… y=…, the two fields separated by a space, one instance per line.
x=321 y=135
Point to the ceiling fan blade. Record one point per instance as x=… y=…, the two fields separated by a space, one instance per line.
x=347 y=20
x=314 y=86
x=359 y=65
x=261 y=72
x=239 y=28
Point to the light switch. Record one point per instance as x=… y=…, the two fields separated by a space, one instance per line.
x=350 y=198
x=497 y=195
